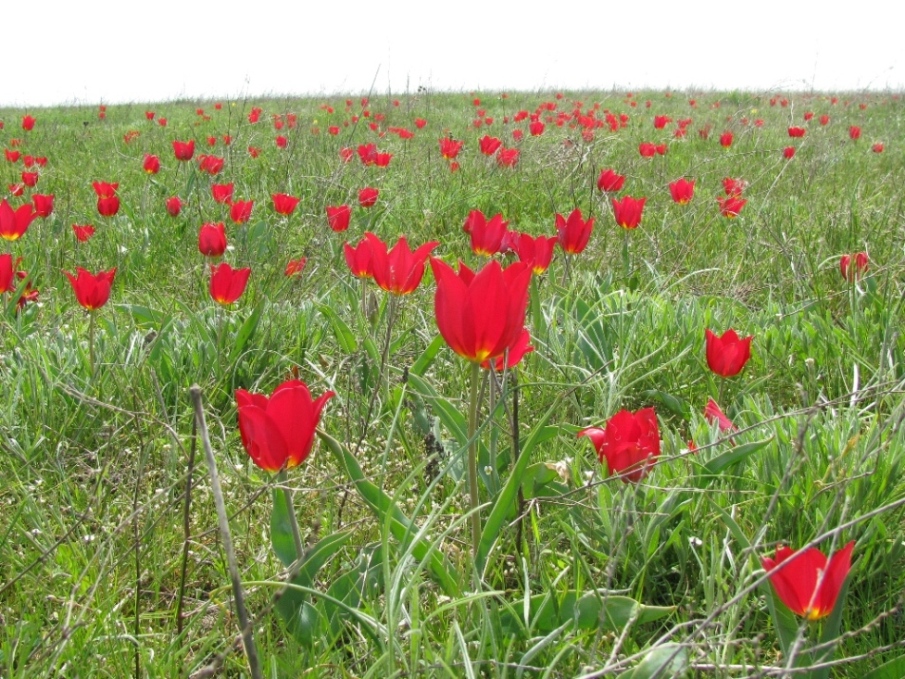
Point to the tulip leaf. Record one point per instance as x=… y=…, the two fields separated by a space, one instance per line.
x=389 y=513
x=246 y=330
x=364 y=579
x=427 y=357
x=281 y=529
x=293 y=604
x=665 y=660
x=677 y=406
x=542 y=479
x=144 y=317
x=735 y=455
x=344 y=334
x=506 y=498
x=586 y=610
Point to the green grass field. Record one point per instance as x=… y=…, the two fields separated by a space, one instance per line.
x=451 y=522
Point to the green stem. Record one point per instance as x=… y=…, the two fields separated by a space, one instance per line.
x=282 y=479
x=473 y=458
x=626 y=262
x=91 y=342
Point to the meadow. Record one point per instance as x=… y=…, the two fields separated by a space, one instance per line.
x=246 y=430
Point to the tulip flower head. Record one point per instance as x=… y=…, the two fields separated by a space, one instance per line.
x=83 y=232
x=682 y=190
x=278 y=431
x=628 y=211
x=240 y=211
x=726 y=139
x=151 y=164
x=91 y=290
x=609 y=181
x=788 y=152
x=212 y=240
x=359 y=259
x=284 y=204
x=852 y=267
x=573 y=232
x=222 y=193
x=797 y=132
x=367 y=197
x=513 y=356
x=15 y=222
x=727 y=354
x=174 y=206
x=731 y=206
x=184 y=150
x=507 y=157
x=28 y=123
x=713 y=413
x=535 y=252
x=481 y=315
x=228 y=284
x=449 y=148
x=398 y=271
x=630 y=443
x=338 y=217
x=806 y=581
x=295 y=266
x=486 y=235
x=854 y=132
x=43 y=204
x=489 y=145
x=108 y=207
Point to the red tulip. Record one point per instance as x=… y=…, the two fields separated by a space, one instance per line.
x=254 y=151
x=647 y=150
x=734 y=187
x=731 y=206
x=449 y=148
x=877 y=148
x=713 y=413
x=489 y=145
x=382 y=159
x=854 y=132
x=852 y=272
x=517 y=135
x=295 y=266
x=228 y=284
x=212 y=165
x=338 y=217
x=105 y=189
x=359 y=259
x=28 y=123
x=726 y=139
x=212 y=240
x=7 y=273
x=420 y=123
x=486 y=236
x=149 y=115
x=222 y=193
x=536 y=128
x=284 y=204
x=507 y=157
x=535 y=252
x=278 y=431
x=91 y=290
x=15 y=222
x=806 y=581
x=824 y=119
x=573 y=232
x=682 y=190
x=83 y=233
x=661 y=122
x=727 y=354
x=281 y=142
x=609 y=181
x=481 y=315
x=108 y=207
x=16 y=189
x=240 y=211
x=174 y=206
x=797 y=132
x=628 y=211
x=151 y=164
x=30 y=179
x=183 y=150
x=630 y=443
x=43 y=204
x=367 y=197
x=162 y=122
x=788 y=152
x=12 y=155
x=400 y=270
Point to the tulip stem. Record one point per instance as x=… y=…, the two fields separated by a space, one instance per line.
x=282 y=479
x=91 y=342
x=626 y=262
x=473 y=458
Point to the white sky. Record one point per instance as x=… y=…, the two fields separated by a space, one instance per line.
x=107 y=51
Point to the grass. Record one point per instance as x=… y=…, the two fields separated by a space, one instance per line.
x=586 y=576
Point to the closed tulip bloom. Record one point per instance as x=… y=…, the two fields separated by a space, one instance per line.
x=852 y=267
x=727 y=354
x=609 y=181
x=713 y=413
x=43 y=204
x=630 y=443
x=854 y=132
x=486 y=235
x=15 y=222
x=108 y=207
x=806 y=581
x=278 y=431
x=682 y=190
x=184 y=150
x=284 y=204
x=788 y=152
x=222 y=193
x=91 y=290
x=647 y=149
x=174 y=206
x=228 y=284
x=151 y=164
x=338 y=217
x=628 y=211
x=726 y=139
x=481 y=315
x=535 y=252
x=877 y=147
x=573 y=232
x=28 y=123
x=240 y=211
x=212 y=240
x=399 y=270
x=734 y=187
x=367 y=197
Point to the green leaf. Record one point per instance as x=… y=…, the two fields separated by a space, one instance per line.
x=677 y=406
x=344 y=334
x=543 y=480
x=427 y=357
x=587 y=611
x=245 y=332
x=144 y=317
x=666 y=660
x=735 y=455
x=388 y=512
x=830 y=633
x=281 y=529
x=894 y=669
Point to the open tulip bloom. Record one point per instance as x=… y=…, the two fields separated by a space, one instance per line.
x=727 y=354
x=806 y=581
x=400 y=270
x=91 y=290
x=630 y=443
x=228 y=284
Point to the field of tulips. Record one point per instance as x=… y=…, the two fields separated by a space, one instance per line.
x=541 y=384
